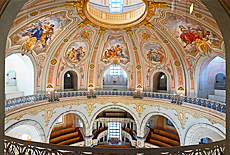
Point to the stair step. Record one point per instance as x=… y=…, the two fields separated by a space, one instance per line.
x=219 y=92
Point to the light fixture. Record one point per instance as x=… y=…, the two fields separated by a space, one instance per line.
x=191 y=8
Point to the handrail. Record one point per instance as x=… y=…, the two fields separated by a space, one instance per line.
x=13 y=145
x=19 y=101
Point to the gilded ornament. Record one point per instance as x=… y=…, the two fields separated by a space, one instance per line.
x=157 y=5
x=181 y=88
x=102 y=30
x=177 y=63
x=90 y=107
x=33 y=13
x=65 y=40
x=83 y=23
x=115 y=61
x=139 y=108
x=53 y=61
x=204 y=47
x=79 y=3
x=129 y=31
x=198 y=15
x=182 y=118
x=135 y=48
x=165 y=41
x=95 y=47
x=48 y=114
x=139 y=86
x=90 y=85
x=92 y=66
x=86 y=35
x=49 y=86
x=138 y=66
x=145 y=35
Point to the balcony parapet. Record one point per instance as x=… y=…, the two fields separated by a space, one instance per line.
x=24 y=100
x=17 y=146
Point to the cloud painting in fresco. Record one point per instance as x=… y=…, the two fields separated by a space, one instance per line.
x=42 y=32
x=76 y=52
x=187 y=31
x=115 y=47
x=154 y=53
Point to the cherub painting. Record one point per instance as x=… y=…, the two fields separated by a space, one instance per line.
x=154 y=53
x=115 y=48
x=189 y=32
x=76 y=52
x=40 y=33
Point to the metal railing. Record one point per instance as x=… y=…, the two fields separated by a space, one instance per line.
x=15 y=102
x=15 y=146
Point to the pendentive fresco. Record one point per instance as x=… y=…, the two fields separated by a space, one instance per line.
x=76 y=52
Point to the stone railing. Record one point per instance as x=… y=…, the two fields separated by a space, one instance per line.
x=115 y=18
x=15 y=146
x=101 y=135
x=215 y=105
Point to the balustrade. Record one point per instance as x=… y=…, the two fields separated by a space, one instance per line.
x=15 y=146
x=20 y=101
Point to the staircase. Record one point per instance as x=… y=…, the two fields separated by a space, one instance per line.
x=162 y=138
x=219 y=95
x=13 y=92
x=66 y=136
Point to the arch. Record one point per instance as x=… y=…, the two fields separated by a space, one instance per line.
x=73 y=71
x=152 y=81
x=205 y=75
x=33 y=126
x=123 y=107
x=80 y=114
x=148 y=116
x=24 y=68
x=11 y=78
x=220 y=81
x=123 y=68
x=202 y=130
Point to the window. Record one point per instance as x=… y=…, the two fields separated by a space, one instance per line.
x=68 y=75
x=169 y=123
x=116 y=6
x=115 y=70
x=114 y=130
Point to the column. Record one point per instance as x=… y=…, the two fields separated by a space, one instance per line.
x=140 y=142
x=88 y=141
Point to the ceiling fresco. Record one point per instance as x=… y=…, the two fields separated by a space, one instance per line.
x=115 y=50
x=154 y=53
x=190 y=34
x=39 y=34
x=76 y=52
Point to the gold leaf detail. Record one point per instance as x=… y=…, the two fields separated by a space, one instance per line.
x=86 y=35
x=33 y=13
x=49 y=86
x=65 y=40
x=53 y=61
x=177 y=63
x=92 y=66
x=138 y=66
x=198 y=15
x=145 y=35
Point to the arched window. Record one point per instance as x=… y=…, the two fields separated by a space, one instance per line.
x=116 y=6
x=205 y=140
x=161 y=81
x=220 y=81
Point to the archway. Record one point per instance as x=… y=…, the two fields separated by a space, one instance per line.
x=211 y=75
x=114 y=126
x=67 y=130
x=115 y=78
x=161 y=131
x=19 y=76
x=70 y=81
x=160 y=82
x=199 y=131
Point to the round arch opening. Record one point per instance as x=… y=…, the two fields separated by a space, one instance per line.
x=19 y=76
x=115 y=78
x=70 y=81
x=161 y=132
x=160 y=82
x=114 y=126
x=67 y=130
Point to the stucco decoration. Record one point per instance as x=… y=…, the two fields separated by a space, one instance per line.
x=193 y=36
x=76 y=52
x=115 y=49
x=39 y=34
x=154 y=53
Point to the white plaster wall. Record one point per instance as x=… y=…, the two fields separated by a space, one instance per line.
x=23 y=67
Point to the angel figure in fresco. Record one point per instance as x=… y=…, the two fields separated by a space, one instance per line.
x=72 y=55
x=156 y=55
x=190 y=35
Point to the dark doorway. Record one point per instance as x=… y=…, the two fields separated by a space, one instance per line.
x=70 y=80
x=161 y=81
x=220 y=81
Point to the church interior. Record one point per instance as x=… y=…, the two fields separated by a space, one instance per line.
x=119 y=75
